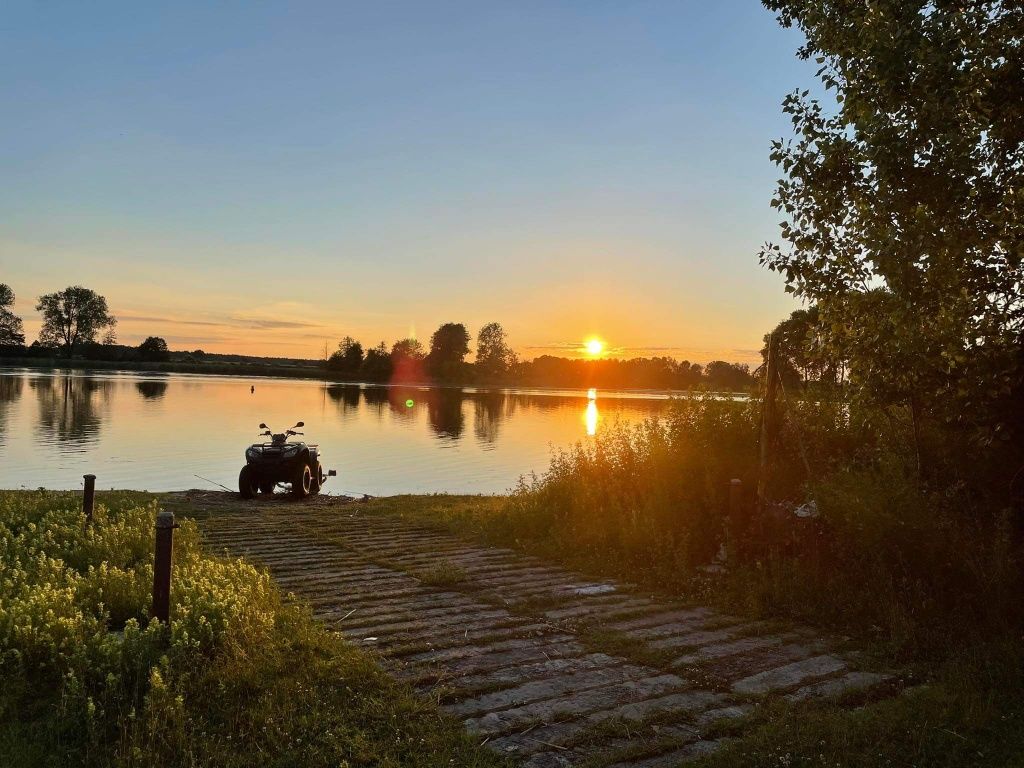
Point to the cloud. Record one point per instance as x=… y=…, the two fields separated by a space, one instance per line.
x=121 y=317
x=221 y=321
x=265 y=325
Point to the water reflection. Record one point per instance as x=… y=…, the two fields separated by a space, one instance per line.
x=490 y=410
x=444 y=412
x=590 y=416
x=446 y=407
x=151 y=390
x=345 y=396
x=71 y=408
x=376 y=399
x=10 y=393
x=381 y=440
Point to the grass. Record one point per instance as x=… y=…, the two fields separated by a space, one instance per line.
x=971 y=713
x=923 y=573
x=965 y=708
x=242 y=676
x=442 y=574
x=924 y=577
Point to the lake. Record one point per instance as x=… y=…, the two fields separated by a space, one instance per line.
x=158 y=432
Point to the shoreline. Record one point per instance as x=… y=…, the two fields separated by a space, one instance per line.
x=248 y=370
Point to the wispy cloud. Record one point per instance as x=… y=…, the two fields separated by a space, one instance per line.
x=221 y=321
x=259 y=324
x=122 y=317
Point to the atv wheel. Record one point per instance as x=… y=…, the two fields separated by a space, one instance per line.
x=247 y=485
x=318 y=474
x=267 y=487
x=302 y=482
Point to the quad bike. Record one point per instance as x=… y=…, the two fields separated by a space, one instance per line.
x=267 y=464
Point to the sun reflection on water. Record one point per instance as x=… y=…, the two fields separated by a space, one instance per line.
x=591 y=415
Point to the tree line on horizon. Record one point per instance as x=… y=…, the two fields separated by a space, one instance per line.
x=444 y=361
x=77 y=322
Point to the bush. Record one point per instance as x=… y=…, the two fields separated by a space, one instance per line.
x=89 y=680
x=889 y=552
x=74 y=614
x=650 y=496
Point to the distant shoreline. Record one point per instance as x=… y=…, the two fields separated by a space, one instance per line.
x=310 y=373
x=215 y=369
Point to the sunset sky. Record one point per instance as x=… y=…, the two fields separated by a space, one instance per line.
x=267 y=177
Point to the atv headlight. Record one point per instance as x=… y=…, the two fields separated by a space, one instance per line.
x=252 y=453
x=289 y=451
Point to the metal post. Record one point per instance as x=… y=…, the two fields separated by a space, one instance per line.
x=165 y=526
x=89 y=499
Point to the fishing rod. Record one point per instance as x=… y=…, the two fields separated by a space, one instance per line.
x=213 y=482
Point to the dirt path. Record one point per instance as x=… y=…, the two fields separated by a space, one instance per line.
x=543 y=664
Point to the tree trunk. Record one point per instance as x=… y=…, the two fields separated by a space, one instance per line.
x=915 y=418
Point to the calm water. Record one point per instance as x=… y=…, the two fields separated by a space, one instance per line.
x=158 y=432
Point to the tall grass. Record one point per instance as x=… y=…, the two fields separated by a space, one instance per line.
x=240 y=677
x=888 y=554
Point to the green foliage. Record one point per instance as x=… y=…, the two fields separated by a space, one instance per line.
x=377 y=364
x=443 y=574
x=802 y=354
x=12 y=332
x=969 y=713
x=885 y=556
x=647 y=499
x=154 y=350
x=407 y=361
x=348 y=359
x=239 y=676
x=74 y=316
x=494 y=357
x=449 y=346
x=902 y=201
x=637 y=373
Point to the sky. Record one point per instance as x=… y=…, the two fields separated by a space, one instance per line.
x=265 y=178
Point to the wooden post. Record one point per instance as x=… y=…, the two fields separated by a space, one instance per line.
x=736 y=502
x=737 y=523
x=89 y=498
x=769 y=423
x=165 y=526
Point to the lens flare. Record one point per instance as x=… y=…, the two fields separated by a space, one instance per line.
x=409 y=403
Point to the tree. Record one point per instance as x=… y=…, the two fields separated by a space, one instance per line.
x=72 y=317
x=12 y=332
x=802 y=358
x=730 y=377
x=377 y=364
x=902 y=202
x=407 y=361
x=348 y=359
x=154 y=350
x=494 y=358
x=448 y=349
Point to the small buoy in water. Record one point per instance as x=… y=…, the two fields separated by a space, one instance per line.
x=252 y=389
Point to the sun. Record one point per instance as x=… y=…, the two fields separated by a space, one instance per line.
x=593 y=346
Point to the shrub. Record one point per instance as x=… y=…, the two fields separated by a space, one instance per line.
x=890 y=552
x=240 y=676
